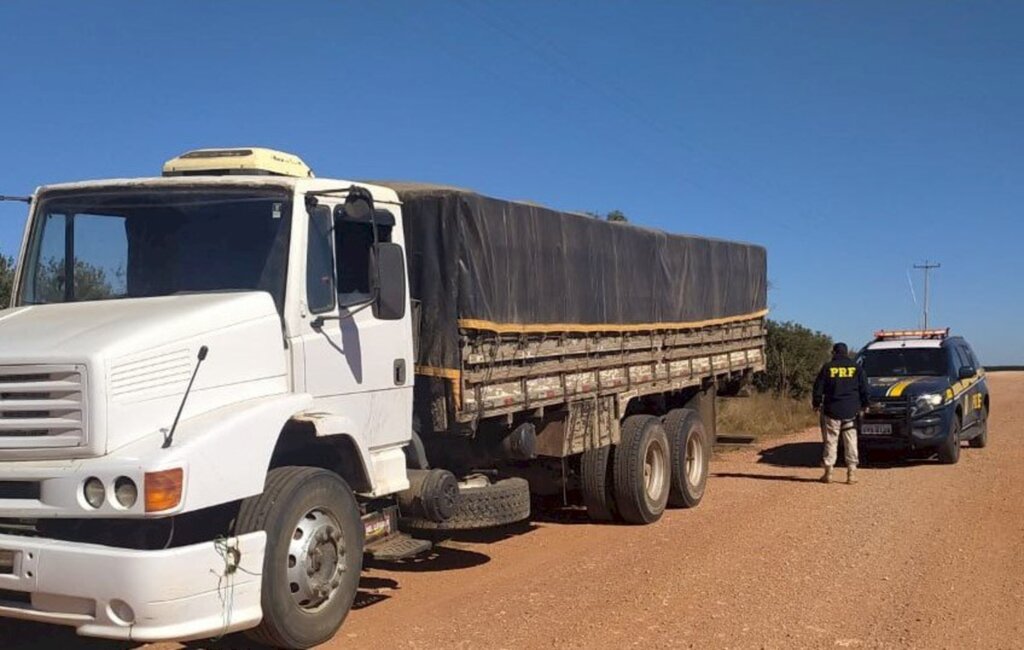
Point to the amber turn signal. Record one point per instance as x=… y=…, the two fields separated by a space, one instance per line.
x=163 y=489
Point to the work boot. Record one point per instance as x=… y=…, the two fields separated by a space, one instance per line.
x=851 y=475
x=827 y=477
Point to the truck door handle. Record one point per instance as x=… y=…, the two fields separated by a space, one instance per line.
x=399 y=372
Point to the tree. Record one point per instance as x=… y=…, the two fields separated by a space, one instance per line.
x=794 y=354
x=91 y=282
x=6 y=280
x=615 y=216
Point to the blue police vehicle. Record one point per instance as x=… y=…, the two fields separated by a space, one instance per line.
x=928 y=393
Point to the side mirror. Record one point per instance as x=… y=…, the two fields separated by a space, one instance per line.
x=966 y=372
x=358 y=206
x=387 y=270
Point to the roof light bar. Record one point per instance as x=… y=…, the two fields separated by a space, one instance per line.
x=888 y=335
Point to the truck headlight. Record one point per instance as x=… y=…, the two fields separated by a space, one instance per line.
x=94 y=492
x=126 y=492
x=928 y=402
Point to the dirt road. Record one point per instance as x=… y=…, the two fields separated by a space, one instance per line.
x=917 y=555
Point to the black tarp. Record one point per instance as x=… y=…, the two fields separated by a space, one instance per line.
x=474 y=258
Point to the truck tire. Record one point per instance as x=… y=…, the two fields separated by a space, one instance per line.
x=642 y=465
x=691 y=456
x=313 y=558
x=497 y=504
x=980 y=441
x=596 y=483
x=949 y=451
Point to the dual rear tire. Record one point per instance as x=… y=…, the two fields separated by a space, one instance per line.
x=657 y=462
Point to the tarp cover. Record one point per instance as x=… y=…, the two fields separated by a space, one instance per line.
x=494 y=262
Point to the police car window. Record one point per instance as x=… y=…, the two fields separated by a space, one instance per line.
x=962 y=359
x=904 y=362
x=970 y=356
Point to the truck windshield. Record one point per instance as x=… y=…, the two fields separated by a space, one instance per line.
x=104 y=245
x=904 y=362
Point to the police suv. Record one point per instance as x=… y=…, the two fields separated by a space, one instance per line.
x=928 y=393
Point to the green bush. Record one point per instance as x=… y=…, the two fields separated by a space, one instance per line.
x=6 y=280
x=794 y=355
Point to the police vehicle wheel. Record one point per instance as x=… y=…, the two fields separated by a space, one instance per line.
x=980 y=441
x=949 y=452
x=688 y=443
x=596 y=483
x=313 y=557
x=642 y=469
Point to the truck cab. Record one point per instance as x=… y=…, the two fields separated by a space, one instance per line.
x=928 y=393
x=177 y=348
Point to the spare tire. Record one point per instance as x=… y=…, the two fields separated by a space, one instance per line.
x=485 y=506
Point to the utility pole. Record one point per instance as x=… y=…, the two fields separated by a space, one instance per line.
x=926 y=267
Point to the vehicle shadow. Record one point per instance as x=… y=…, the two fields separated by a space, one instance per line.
x=808 y=455
x=440 y=558
x=765 y=477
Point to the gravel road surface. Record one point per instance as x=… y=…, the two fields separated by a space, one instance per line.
x=916 y=555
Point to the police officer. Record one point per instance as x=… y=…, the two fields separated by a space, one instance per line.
x=840 y=391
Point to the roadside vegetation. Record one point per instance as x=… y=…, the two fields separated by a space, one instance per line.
x=6 y=280
x=781 y=400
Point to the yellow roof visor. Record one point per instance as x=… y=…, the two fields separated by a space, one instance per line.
x=247 y=161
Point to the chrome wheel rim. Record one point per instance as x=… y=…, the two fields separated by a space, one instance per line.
x=316 y=559
x=694 y=459
x=655 y=470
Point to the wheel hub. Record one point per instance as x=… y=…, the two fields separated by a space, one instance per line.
x=694 y=460
x=316 y=559
x=655 y=469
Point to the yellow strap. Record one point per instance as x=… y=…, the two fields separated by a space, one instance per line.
x=510 y=328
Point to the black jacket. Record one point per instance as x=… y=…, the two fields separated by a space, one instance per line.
x=841 y=389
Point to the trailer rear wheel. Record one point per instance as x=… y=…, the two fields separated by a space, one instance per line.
x=313 y=558
x=642 y=470
x=596 y=483
x=691 y=453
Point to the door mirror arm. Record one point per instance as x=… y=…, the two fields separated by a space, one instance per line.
x=351 y=310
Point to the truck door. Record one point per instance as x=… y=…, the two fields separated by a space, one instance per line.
x=357 y=366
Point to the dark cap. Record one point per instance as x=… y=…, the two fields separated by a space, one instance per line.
x=840 y=350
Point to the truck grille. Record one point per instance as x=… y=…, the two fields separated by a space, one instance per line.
x=42 y=406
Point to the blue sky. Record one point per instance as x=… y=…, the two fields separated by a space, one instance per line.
x=852 y=139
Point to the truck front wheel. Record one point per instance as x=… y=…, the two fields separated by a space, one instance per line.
x=313 y=558
x=642 y=470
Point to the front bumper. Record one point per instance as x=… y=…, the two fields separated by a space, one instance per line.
x=173 y=594
x=926 y=431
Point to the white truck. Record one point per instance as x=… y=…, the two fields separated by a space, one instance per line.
x=208 y=412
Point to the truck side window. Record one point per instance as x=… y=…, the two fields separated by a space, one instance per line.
x=353 y=241
x=320 y=293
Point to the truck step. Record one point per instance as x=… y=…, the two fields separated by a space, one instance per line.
x=398 y=546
